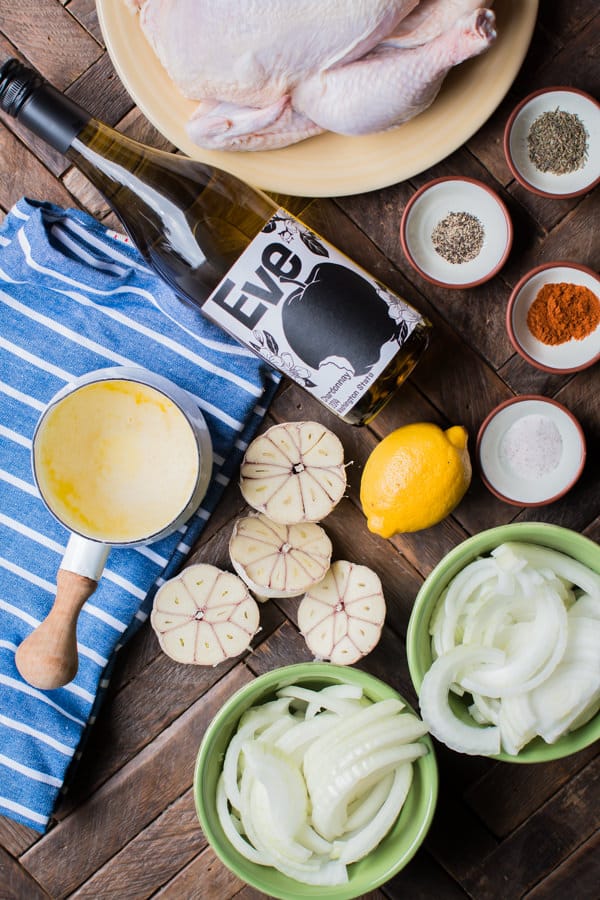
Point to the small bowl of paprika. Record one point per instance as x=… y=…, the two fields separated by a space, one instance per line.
x=553 y=317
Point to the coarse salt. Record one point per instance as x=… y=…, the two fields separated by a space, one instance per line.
x=532 y=447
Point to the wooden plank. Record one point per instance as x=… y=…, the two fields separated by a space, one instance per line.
x=23 y=175
x=524 y=378
x=15 y=837
x=123 y=735
x=85 y=13
x=101 y=92
x=129 y=801
x=285 y=646
x=52 y=40
x=567 y=19
x=577 y=26
x=507 y=795
x=52 y=159
x=574 y=239
x=206 y=878
x=16 y=884
x=457 y=839
x=544 y=841
x=166 y=846
x=422 y=879
x=578 y=877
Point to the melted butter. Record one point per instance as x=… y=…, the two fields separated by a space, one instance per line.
x=116 y=461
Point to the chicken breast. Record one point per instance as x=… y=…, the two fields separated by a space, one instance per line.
x=268 y=73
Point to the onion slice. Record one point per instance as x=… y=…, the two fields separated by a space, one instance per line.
x=314 y=780
x=436 y=711
x=538 y=610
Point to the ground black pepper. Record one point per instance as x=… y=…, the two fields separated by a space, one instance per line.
x=557 y=142
x=458 y=237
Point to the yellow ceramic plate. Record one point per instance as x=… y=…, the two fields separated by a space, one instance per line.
x=330 y=164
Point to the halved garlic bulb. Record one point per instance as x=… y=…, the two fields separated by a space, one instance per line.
x=341 y=617
x=294 y=472
x=278 y=560
x=204 y=615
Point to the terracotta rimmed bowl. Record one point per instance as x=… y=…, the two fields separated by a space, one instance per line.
x=418 y=638
x=516 y=150
x=430 y=205
x=531 y=450
x=573 y=355
x=385 y=861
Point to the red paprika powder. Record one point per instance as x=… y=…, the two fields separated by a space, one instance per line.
x=562 y=312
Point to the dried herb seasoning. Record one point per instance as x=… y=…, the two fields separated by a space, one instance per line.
x=557 y=142
x=458 y=237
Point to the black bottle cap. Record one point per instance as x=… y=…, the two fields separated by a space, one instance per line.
x=26 y=96
x=17 y=83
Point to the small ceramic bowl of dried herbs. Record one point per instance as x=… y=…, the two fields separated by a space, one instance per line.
x=553 y=317
x=456 y=232
x=552 y=142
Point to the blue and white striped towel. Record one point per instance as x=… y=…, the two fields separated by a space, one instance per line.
x=75 y=297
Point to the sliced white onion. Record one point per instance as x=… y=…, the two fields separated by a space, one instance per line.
x=251 y=722
x=586 y=605
x=271 y=812
x=346 y=728
x=330 y=813
x=542 y=610
x=564 y=566
x=361 y=811
x=361 y=842
x=485 y=710
x=461 y=592
x=342 y=705
x=436 y=711
x=296 y=740
x=231 y=832
x=532 y=652
x=574 y=686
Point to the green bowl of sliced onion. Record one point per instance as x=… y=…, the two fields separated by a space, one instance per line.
x=327 y=770
x=503 y=644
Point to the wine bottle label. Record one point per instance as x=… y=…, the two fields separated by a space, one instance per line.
x=311 y=312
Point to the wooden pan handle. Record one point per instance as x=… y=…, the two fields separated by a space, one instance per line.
x=47 y=658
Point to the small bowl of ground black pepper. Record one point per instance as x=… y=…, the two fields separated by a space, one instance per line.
x=531 y=450
x=552 y=142
x=553 y=317
x=456 y=232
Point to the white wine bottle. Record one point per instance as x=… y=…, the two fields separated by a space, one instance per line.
x=228 y=249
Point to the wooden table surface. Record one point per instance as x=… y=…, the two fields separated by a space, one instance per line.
x=128 y=829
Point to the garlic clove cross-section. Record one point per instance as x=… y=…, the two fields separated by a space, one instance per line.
x=204 y=615
x=341 y=617
x=294 y=472
x=277 y=560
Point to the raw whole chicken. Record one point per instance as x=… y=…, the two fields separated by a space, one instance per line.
x=269 y=73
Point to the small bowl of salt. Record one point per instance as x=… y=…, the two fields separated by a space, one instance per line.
x=552 y=142
x=553 y=317
x=456 y=232
x=531 y=450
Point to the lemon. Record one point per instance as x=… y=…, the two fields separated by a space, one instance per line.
x=414 y=478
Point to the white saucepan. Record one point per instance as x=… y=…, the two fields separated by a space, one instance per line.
x=121 y=457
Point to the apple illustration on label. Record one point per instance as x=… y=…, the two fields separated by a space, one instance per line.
x=346 y=318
